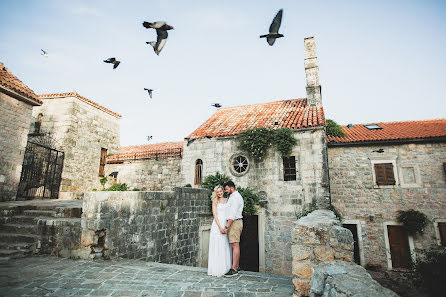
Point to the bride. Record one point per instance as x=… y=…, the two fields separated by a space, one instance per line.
x=220 y=255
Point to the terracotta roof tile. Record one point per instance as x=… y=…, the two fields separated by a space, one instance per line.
x=135 y=152
x=392 y=131
x=293 y=114
x=11 y=82
x=82 y=98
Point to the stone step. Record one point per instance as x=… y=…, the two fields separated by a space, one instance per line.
x=39 y=213
x=22 y=246
x=19 y=228
x=10 y=253
x=13 y=238
x=69 y=212
x=22 y=220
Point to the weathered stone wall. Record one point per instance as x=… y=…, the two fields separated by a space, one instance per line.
x=80 y=130
x=317 y=238
x=151 y=226
x=15 y=118
x=160 y=174
x=420 y=184
x=340 y=278
x=285 y=198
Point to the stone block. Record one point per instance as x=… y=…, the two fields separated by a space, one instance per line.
x=324 y=254
x=301 y=287
x=303 y=270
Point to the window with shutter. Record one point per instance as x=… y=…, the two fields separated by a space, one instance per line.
x=289 y=168
x=102 y=162
x=384 y=174
x=198 y=172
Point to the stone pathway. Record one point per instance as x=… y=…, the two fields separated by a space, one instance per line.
x=51 y=276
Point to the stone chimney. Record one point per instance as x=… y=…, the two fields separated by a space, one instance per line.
x=314 y=92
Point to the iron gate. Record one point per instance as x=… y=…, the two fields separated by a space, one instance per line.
x=41 y=172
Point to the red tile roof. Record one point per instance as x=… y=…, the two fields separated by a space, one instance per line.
x=135 y=152
x=12 y=83
x=82 y=98
x=392 y=131
x=293 y=114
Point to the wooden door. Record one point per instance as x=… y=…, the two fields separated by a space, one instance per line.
x=399 y=247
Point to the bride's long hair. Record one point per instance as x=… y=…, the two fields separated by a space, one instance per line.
x=214 y=197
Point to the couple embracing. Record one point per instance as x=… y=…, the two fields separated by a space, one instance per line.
x=224 y=241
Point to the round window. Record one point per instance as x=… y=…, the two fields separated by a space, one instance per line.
x=239 y=164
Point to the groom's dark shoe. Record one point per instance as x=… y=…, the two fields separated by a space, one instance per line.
x=238 y=269
x=231 y=273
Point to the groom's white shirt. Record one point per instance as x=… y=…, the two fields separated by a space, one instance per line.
x=235 y=204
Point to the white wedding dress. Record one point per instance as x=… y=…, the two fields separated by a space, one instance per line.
x=220 y=253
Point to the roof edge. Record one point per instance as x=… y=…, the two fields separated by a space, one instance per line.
x=20 y=97
x=82 y=98
x=389 y=141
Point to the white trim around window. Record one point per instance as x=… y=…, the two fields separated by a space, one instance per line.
x=395 y=173
x=437 y=231
x=359 y=225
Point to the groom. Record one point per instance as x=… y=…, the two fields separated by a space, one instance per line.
x=234 y=226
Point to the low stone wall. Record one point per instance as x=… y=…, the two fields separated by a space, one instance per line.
x=151 y=226
x=317 y=238
x=340 y=278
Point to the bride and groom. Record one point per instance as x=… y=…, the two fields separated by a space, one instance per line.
x=224 y=241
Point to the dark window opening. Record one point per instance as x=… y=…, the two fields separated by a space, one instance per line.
x=354 y=229
x=102 y=162
x=289 y=168
x=198 y=172
x=240 y=164
x=384 y=174
x=38 y=124
x=442 y=231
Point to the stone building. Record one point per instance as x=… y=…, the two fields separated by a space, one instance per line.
x=381 y=168
x=85 y=131
x=152 y=167
x=16 y=104
x=287 y=184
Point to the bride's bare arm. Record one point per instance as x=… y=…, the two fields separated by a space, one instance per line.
x=214 y=212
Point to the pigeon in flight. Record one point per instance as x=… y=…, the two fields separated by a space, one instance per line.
x=218 y=105
x=161 y=33
x=274 y=29
x=44 y=53
x=149 y=91
x=113 y=61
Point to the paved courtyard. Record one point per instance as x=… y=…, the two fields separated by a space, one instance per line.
x=51 y=276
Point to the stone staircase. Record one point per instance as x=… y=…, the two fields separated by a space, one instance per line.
x=23 y=225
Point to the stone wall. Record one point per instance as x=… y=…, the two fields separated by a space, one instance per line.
x=151 y=226
x=285 y=198
x=80 y=130
x=160 y=174
x=317 y=238
x=15 y=118
x=420 y=184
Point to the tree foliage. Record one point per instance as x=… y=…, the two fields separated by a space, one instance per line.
x=333 y=129
x=413 y=221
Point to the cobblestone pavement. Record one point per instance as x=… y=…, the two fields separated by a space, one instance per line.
x=51 y=276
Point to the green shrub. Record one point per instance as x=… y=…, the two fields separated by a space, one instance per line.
x=333 y=129
x=103 y=181
x=187 y=186
x=413 y=221
x=136 y=189
x=211 y=181
x=431 y=272
x=250 y=201
x=117 y=187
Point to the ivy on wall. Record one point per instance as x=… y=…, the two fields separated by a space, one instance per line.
x=258 y=141
x=413 y=221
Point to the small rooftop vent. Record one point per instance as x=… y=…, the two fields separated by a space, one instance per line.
x=373 y=127
x=350 y=126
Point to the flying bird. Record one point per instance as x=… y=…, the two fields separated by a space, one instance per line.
x=113 y=61
x=274 y=29
x=218 y=105
x=149 y=91
x=44 y=53
x=161 y=33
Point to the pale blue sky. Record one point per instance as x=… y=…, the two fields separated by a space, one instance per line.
x=379 y=60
